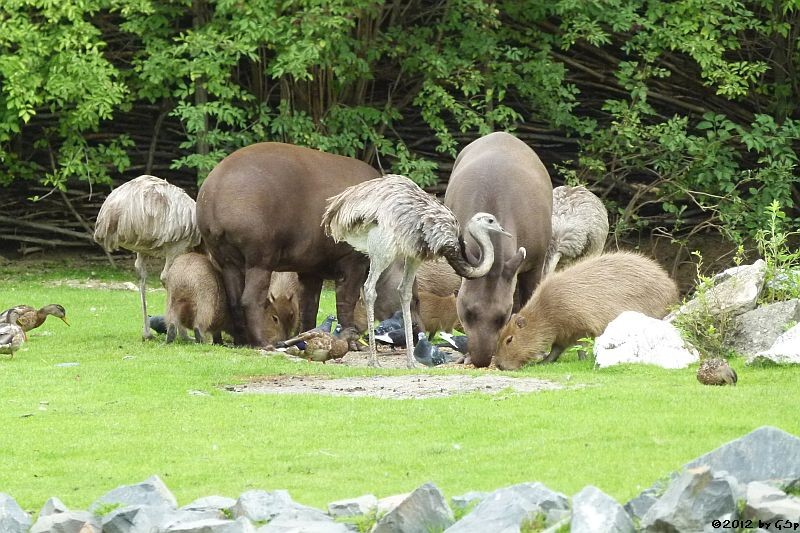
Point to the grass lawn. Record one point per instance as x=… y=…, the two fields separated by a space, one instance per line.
x=131 y=409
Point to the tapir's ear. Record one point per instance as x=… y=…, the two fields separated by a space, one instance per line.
x=521 y=322
x=511 y=267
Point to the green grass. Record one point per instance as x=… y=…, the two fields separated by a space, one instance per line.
x=126 y=412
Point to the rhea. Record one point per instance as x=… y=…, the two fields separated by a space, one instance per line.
x=390 y=218
x=150 y=217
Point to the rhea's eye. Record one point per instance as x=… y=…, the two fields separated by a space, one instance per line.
x=509 y=339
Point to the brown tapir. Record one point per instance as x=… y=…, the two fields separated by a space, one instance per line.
x=500 y=174
x=580 y=301
x=259 y=210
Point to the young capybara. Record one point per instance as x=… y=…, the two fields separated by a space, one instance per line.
x=580 y=301
x=195 y=298
x=282 y=314
x=438 y=313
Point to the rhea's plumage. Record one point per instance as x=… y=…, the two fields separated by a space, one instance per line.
x=580 y=226
x=150 y=217
x=392 y=217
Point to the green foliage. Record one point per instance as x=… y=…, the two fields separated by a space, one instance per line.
x=702 y=325
x=782 y=274
x=362 y=523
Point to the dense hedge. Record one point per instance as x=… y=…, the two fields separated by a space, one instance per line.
x=682 y=112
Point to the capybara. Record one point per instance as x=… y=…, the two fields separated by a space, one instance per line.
x=282 y=314
x=580 y=301
x=195 y=298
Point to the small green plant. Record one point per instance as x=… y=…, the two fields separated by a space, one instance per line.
x=532 y=524
x=461 y=512
x=702 y=325
x=105 y=508
x=583 y=348
x=362 y=523
x=782 y=276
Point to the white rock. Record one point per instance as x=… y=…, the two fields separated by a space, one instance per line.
x=786 y=348
x=735 y=292
x=635 y=338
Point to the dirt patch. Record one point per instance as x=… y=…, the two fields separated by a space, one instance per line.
x=415 y=386
x=418 y=385
x=103 y=285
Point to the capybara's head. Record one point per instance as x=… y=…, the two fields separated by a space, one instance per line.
x=280 y=318
x=520 y=343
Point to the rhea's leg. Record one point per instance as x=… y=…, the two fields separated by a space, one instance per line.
x=142 y=271
x=377 y=264
x=406 y=292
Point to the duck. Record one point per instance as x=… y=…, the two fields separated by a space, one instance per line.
x=299 y=340
x=322 y=346
x=29 y=318
x=716 y=371
x=12 y=336
x=428 y=354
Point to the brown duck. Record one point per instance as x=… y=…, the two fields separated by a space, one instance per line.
x=29 y=318
x=11 y=335
x=322 y=346
x=716 y=371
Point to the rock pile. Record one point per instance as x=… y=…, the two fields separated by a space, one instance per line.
x=747 y=484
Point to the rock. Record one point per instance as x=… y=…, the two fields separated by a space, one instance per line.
x=213 y=525
x=466 y=500
x=12 y=518
x=303 y=520
x=757 y=330
x=425 y=509
x=768 y=504
x=763 y=454
x=506 y=509
x=638 y=506
x=387 y=504
x=735 y=291
x=52 y=506
x=692 y=501
x=635 y=338
x=263 y=506
x=593 y=511
x=151 y=491
x=221 y=503
x=354 y=506
x=133 y=519
x=785 y=350
x=67 y=522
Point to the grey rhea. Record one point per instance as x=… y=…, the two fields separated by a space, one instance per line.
x=392 y=217
x=150 y=217
x=580 y=226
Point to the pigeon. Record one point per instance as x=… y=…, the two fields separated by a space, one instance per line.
x=459 y=342
x=392 y=323
x=158 y=324
x=395 y=338
x=428 y=354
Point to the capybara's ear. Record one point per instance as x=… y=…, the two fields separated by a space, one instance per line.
x=521 y=322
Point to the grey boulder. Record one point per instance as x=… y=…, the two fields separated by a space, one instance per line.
x=303 y=520
x=12 y=518
x=425 y=509
x=52 y=506
x=757 y=330
x=67 y=522
x=765 y=503
x=692 y=501
x=151 y=491
x=353 y=506
x=213 y=525
x=506 y=510
x=594 y=511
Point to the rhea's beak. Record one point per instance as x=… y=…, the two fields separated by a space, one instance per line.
x=504 y=232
